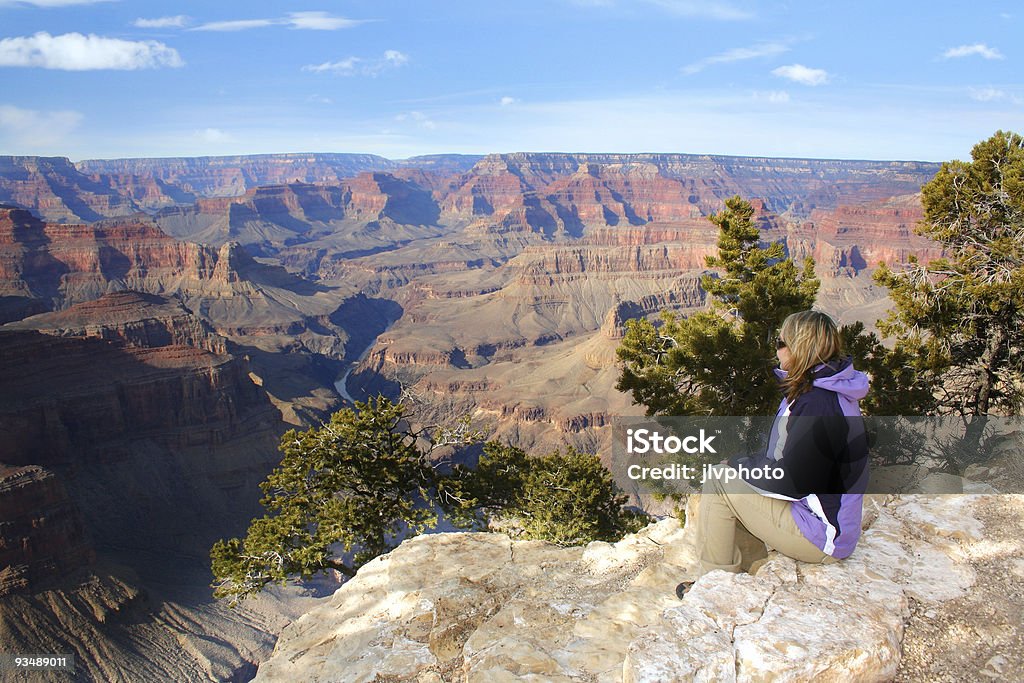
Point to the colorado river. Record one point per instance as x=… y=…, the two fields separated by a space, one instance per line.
x=339 y=384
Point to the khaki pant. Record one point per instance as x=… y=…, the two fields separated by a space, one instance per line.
x=730 y=507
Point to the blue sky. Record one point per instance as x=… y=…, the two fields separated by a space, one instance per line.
x=857 y=80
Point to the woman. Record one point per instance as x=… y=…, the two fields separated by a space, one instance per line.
x=811 y=508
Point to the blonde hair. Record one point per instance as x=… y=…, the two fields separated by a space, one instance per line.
x=812 y=339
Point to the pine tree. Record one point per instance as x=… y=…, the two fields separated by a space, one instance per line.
x=718 y=361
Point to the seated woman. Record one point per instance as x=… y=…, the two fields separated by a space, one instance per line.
x=811 y=508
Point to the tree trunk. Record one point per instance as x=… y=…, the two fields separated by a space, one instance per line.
x=988 y=375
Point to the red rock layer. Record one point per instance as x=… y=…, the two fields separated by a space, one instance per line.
x=55 y=189
x=131 y=318
x=544 y=262
x=67 y=264
x=145 y=191
x=852 y=238
x=546 y=192
x=297 y=208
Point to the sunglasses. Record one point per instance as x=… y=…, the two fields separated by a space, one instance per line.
x=779 y=344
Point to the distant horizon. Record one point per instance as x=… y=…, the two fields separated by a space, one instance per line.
x=482 y=155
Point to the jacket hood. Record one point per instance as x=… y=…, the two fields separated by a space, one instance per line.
x=845 y=381
x=851 y=385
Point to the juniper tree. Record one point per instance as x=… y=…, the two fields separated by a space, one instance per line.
x=344 y=493
x=896 y=386
x=353 y=488
x=566 y=498
x=959 y=318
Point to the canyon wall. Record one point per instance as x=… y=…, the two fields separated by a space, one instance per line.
x=54 y=189
x=150 y=362
x=233 y=175
x=127 y=453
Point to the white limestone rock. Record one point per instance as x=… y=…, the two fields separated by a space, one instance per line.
x=479 y=607
x=941 y=515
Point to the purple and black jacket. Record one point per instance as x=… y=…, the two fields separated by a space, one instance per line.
x=819 y=443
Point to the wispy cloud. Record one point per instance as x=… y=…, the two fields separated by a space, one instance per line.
x=320 y=21
x=49 y=3
x=310 y=21
x=802 y=74
x=417 y=117
x=990 y=94
x=77 y=52
x=738 y=54
x=179 y=21
x=213 y=135
x=507 y=101
x=711 y=9
x=358 y=66
x=708 y=9
x=773 y=96
x=33 y=129
x=979 y=49
x=346 y=67
x=987 y=94
x=235 y=25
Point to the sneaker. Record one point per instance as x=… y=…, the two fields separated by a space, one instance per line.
x=682 y=588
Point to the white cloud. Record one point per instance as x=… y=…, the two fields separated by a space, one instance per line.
x=346 y=67
x=708 y=9
x=34 y=129
x=352 y=66
x=802 y=74
x=979 y=49
x=736 y=55
x=319 y=21
x=76 y=52
x=235 y=25
x=395 y=58
x=506 y=101
x=49 y=3
x=313 y=21
x=320 y=99
x=213 y=135
x=417 y=117
x=179 y=21
x=987 y=94
x=773 y=96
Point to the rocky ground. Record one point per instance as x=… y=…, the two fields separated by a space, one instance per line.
x=979 y=635
x=935 y=581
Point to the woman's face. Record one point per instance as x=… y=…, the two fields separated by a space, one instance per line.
x=783 y=354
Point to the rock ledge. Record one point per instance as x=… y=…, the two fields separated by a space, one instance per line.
x=479 y=607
